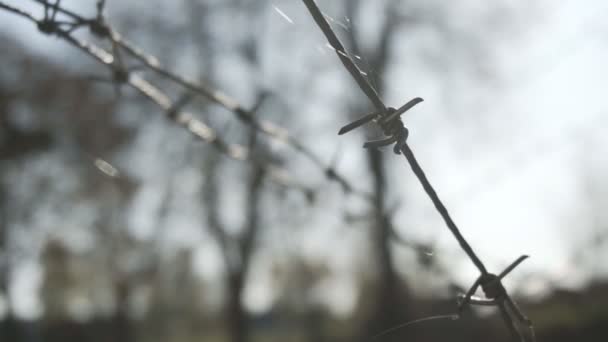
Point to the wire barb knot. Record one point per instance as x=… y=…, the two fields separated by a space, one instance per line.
x=99 y=27
x=492 y=286
x=389 y=122
x=49 y=24
x=497 y=295
x=392 y=126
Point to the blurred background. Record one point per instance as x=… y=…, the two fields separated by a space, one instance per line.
x=117 y=225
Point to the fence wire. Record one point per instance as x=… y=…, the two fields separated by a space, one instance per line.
x=61 y=22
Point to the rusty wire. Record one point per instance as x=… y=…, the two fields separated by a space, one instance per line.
x=389 y=120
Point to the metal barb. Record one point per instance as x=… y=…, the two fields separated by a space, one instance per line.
x=391 y=124
x=511 y=267
x=497 y=295
x=358 y=123
x=49 y=23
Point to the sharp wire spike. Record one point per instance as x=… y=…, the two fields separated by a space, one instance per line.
x=409 y=105
x=512 y=266
x=357 y=123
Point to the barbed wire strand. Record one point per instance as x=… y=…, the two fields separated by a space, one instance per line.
x=99 y=24
x=389 y=120
x=171 y=108
x=120 y=75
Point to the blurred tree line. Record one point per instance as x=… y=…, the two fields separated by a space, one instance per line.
x=115 y=211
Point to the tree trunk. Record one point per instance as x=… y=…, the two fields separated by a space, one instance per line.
x=8 y=326
x=236 y=315
x=121 y=322
x=390 y=308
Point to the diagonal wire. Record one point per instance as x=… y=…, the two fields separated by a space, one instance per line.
x=375 y=99
x=242 y=114
x=443 y=211
x=171 y=108
x=348 y=63
x=99 y=27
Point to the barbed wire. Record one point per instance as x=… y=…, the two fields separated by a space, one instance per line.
x=100 y=27
x=171 y=108
x=389 y=120
x=121 y=75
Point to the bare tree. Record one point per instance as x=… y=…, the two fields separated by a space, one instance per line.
x=391 y=293
x=238 y=250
